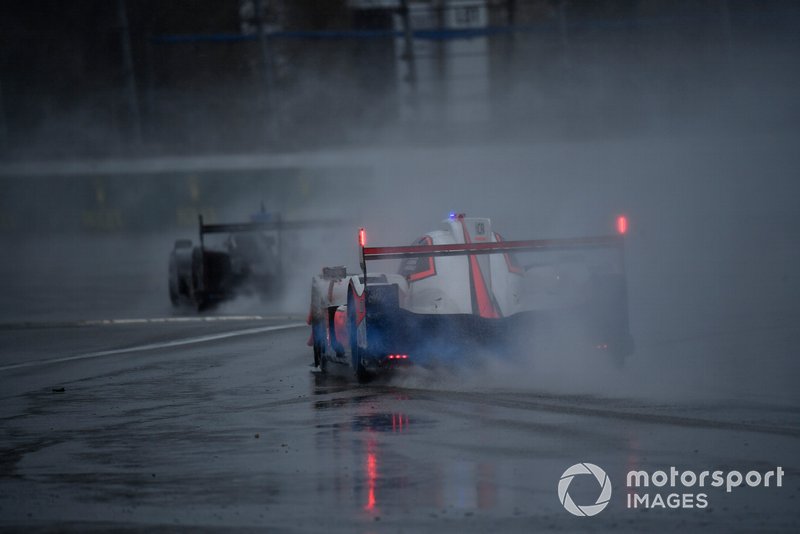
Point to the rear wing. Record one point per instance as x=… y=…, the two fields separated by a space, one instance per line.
x=261 y=226
x=469 y=249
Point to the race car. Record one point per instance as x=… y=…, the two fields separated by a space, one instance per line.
x=247 y=262
x=463 y=286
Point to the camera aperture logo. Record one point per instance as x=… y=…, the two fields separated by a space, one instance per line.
x=587 y=510
x=670 y=488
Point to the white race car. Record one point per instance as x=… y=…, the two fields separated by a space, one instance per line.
x=464 y=286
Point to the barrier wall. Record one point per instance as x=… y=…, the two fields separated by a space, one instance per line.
x=168 y=200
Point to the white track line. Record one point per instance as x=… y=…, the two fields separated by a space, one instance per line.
x=153 y=346
x=149 y=320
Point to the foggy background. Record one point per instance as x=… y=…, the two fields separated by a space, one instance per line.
x=121 y=121
x=142 y=77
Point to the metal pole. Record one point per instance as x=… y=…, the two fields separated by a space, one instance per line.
x=511 y=12
x=408 y=51
x=727 y=28
x=266 y=64
x=150 y=87
x=562 y=24
x=510 y=41
x=441 y=63
x=262 y=41
x=3 y=123
x=128 y=71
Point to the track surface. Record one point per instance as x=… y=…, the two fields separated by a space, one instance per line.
x=182 y=430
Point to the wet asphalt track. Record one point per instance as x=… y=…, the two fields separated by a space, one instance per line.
x=162 y=425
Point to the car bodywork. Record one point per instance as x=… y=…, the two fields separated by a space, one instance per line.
x=249 y=261
x=465 y=286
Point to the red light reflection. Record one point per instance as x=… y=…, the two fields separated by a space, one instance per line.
x=372 y=475
x=399 y=422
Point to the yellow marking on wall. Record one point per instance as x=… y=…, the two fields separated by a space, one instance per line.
x=102 y=219
x=99 y=191
x=194 y=188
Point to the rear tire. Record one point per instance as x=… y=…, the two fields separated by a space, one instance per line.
x=198 y=275
x=317 y=355
x=319 y=359
x=174 y=297
x=202 y=304
x=362 y=375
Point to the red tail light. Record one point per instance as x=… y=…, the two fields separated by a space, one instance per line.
x=622 y=225
x=362 y=237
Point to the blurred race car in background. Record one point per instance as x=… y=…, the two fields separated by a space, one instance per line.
x=463 y=287
x=248 y=262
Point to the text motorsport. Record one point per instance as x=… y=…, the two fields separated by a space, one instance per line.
x=667 y=489
x=688 y=479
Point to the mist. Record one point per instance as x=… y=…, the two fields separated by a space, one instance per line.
x=689 y=131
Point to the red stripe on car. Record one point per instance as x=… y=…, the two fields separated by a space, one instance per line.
x=486 y=305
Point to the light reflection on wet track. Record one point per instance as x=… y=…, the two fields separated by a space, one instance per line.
x=242 y=433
